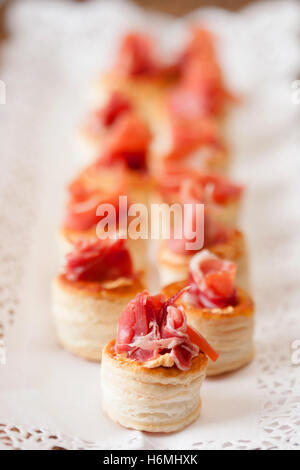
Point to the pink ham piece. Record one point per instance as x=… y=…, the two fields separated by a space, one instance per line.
x=127 y=142
x=205 y=186
x=190 y=134
x=151 y=325
x=98 y=261
x=211 y=281
x=138 y=58
x=116 y=105
x=81 y=210
x=213 y=232
x=201 y=79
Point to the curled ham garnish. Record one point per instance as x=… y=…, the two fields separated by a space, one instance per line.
x=190 y=134
x=81 y=210
x=214 y=234
x=127 y=142
x=104 y=117
x=137 y=58
x=212 y=231
x=212 y=281
x=207 y=188
x=201 y=77
x=98 y=261
x=151 y=325
x=201 y=44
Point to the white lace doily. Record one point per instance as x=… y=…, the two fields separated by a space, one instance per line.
x=51 y=400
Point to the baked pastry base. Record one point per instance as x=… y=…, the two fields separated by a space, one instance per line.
x=86 y=314
x=160 y=399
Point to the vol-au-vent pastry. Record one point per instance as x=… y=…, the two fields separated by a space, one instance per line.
x=227 y=242
x=89 y=295
x=201 y=89
x=124 y=151
x=87 y=207
x=138 y=73
x=99 y=122
x=195 y=142
x=191 y=124
x=178 y=184
x=152 y=372
x=219 y=310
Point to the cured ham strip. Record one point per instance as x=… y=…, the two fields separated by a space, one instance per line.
x=137 y=58
x=201 y=78
x=212 y=281
x=127 y=142
x=189 y=134
x=206 y=187
x=104 y=117
x=151 y=325
x=82 y=207
x=212 y=231
x=98 y=261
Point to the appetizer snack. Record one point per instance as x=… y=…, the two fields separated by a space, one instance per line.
x=152 y=372
x=82 y=215
x=123 y=155
x=89 y=296
x=99 y=123
x=201 y=89
x=139 y=74
x=223 y=313
x=196 y=143
x=228 y=243
x=181 y=184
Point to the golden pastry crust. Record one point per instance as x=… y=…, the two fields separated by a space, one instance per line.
x=86 y=314
x=157 y=374
x=161 y=399
x=122 y=287
x=228 y=330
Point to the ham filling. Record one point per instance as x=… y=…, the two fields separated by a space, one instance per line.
x=213 y=232
x=211 y=281
x=207 y=188
x=201 y=79
x=127 y=142
x=81 y=211
x=189 y=134
x=98 y=261
x=116 y=106
x=151 y=326
x=137 y=58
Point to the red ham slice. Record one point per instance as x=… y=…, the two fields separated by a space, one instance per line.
x=128 y=142
x=116 y=105
x=201 y=90
x=82 y=206
x=138 y=58
x=213 y=232
x=201 y=44
x=211 y=188
x=136 y=55
x=189 y=134
x=98 y=261
x=151 y=325
x=212 y=281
